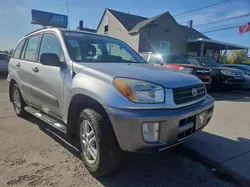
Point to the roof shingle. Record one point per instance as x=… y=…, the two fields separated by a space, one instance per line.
x=127 y=20
x=191 y=33
x=134 y=23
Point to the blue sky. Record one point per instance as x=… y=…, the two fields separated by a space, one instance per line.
x=15 y=15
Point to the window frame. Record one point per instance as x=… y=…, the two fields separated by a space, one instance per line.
x=58 y=38
x=164 y=41
x=37 y=50
x=23 y=50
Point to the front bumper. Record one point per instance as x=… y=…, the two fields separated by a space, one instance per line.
x=229 y=81
x=127 y=124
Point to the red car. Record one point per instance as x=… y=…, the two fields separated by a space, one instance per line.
x=179 y=63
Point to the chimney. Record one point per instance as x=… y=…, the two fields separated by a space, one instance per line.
x=190 y=24
x=81 y=25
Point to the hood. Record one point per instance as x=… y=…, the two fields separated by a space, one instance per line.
x=224 y=68
x=190 y=66
x=166 y=77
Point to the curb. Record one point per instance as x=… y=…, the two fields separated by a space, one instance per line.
x=219 y=171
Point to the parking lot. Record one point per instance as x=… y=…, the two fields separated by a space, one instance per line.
x=34 y=154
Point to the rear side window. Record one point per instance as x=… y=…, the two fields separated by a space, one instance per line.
x=51 y=44
x=19 y=49
x=32 y=47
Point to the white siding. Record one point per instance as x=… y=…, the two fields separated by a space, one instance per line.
x=117 y=30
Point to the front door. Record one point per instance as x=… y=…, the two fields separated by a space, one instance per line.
x=49 y=79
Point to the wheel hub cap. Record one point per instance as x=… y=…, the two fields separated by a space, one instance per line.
x=88 y=140
x=17 y=101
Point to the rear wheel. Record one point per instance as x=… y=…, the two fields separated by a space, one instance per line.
x=100 y=150
x=17 y=101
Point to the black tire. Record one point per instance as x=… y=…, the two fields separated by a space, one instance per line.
x=19 y=112
x=108 y=151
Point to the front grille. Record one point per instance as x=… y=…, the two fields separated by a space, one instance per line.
x=202 y=72
x=188 y=93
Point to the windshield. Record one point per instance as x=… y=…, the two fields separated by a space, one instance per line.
x=208 y=62
x=193 y=61
x=83 y=47
x=174 y=59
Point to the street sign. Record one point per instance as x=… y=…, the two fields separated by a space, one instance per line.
x=49 y=19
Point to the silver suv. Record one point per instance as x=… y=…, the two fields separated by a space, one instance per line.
x=100 y=91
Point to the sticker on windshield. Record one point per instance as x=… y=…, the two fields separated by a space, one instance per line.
x=74 y=43
x=73 y=34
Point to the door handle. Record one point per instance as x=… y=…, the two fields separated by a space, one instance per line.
x=35 y=69
x=18 y=65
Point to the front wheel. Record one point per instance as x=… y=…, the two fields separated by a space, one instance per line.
x=100 y=150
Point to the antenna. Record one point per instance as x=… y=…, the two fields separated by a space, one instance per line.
x=68 y=12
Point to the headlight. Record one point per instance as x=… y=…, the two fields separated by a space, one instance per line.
x=187 y=70
x=140 y=91
x=227 y=72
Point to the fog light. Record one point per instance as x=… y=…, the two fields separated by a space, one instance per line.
x=150 y=131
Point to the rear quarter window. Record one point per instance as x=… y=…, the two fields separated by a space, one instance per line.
x=18 y=50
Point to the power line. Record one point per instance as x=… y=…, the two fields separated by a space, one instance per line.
x=221 y=29
x=227 y=19
x=204 y=7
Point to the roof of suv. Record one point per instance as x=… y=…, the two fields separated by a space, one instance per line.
x=62 y=29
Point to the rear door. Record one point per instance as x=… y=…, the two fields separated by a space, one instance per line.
x=27 y=60
x=19 y=70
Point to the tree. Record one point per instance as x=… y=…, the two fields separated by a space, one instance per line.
x=238 y=56
x=11 y=51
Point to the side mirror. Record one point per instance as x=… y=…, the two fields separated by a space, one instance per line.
x=50 y=59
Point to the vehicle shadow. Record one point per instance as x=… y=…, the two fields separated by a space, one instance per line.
x=235 y=95
x=166 y=168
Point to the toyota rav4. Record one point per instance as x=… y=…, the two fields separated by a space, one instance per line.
x=100 y=91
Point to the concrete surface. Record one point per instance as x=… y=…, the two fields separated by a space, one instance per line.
x=225 y=142
x=34 y=154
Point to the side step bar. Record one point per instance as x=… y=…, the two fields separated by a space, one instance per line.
x=46 y=118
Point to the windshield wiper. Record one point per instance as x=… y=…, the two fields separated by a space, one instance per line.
x=130 y=61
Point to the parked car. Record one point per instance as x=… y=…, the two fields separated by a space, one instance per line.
x=245 y=68
x=3 y=64
x=179 y=63
x=97 y=89
x=222 y=77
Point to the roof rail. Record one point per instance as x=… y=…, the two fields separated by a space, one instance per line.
x=36 y=30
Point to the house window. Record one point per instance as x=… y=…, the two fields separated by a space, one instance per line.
x=106 y=24
x=164 y=46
